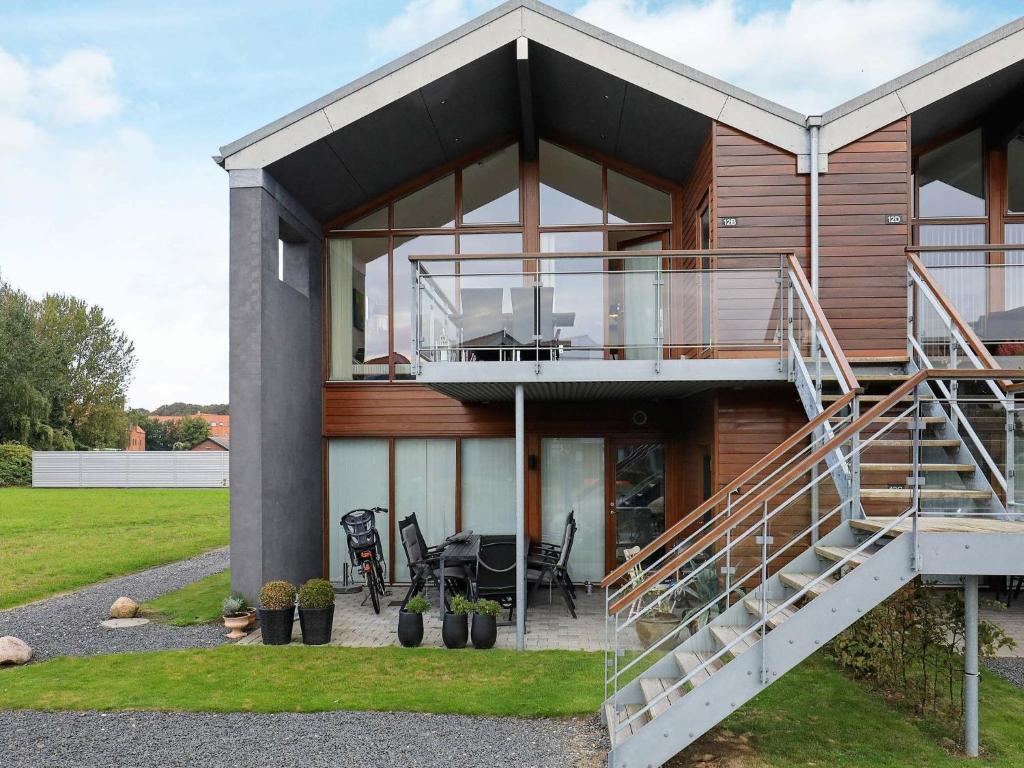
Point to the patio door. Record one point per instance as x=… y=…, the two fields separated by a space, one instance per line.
x=635 y=495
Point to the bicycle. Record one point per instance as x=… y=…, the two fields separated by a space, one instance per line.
x=365 y=551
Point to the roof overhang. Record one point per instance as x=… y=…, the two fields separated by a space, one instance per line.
x=945 y=92
x=573 y=62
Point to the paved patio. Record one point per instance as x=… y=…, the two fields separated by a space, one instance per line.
x=548 y=625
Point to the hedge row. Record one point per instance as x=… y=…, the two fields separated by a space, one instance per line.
x=15 y=465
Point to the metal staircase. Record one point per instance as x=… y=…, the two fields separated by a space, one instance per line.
x=921 y=483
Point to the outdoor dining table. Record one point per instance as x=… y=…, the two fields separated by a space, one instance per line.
x=463 y=551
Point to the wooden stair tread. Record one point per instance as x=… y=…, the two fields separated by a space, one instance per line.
x=838 y=554
x=753 y=606
x=903 y=494
x=799 y=581
x=902 y=467
x=876 y=398
x=935 y=524
x=688 y=661
x=900 y=419
x=617 y=718
x=726 y=633
x=926 y=442
x=652 y=687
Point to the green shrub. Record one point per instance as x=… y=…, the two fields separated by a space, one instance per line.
x=487 y=608
x=234 y=603
x=461 y=605
x=417 y=605
x=277 y=595
x=316 y=594
x=15 y=465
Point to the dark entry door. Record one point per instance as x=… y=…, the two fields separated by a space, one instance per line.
x=636 y=495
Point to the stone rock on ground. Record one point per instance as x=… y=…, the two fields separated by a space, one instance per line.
x=13 y=650
x=124 y=608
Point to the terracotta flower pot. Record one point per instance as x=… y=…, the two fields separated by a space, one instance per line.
x=654 y=626
x=237 y=623
x=251 y=614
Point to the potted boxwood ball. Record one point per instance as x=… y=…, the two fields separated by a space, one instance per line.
x=277 y=612
x=316 y=611
x=455 y=625
x=485 y=624
x=410 y=622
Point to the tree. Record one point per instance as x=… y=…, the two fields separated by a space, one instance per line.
x=89 y=363
x=64 y=373
x=177 y=435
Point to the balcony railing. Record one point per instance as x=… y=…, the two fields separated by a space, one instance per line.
x=988 y=296
x=633 y=305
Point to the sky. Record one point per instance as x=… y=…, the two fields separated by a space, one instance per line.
x=110 y=111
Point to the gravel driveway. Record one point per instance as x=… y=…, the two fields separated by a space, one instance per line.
x=335 y=739
x=69 y=624
x=1009 y=667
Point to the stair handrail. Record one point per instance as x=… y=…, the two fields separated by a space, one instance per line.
x=925 y=279
x=759 y=525
x=722 y=494
x=763 y=620
x=803 y=465
x=833 y=350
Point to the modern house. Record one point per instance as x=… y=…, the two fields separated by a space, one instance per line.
x=532 y=267
x=213 y=444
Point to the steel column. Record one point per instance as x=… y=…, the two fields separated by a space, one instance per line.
x=520 y=520
x=971 y=665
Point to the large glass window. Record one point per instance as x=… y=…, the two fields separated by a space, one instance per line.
x=490 y=189
x=1015 y=176
x=404 y=247
x=952 y=179
x=570 y=187
x=377 y=219
x=357 y=478
x=358 y=274
x=489 y=485
x=424 y=485
x=573 y=481
x=430 y=207
x=577 y=293
x=633 y=202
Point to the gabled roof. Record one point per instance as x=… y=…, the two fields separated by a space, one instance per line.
x=499 y=27
x=966 y=80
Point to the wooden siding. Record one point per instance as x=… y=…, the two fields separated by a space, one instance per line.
x=749 y=425
x=862 y=260
x=757 y=184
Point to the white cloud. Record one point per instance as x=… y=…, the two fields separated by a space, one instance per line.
x=810 y=56
x=108 y=216
x=79 y=87
x=421 y=21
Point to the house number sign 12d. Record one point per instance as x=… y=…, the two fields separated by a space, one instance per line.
x=894 y=218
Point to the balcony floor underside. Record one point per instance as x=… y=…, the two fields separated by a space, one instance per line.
x=594 y=379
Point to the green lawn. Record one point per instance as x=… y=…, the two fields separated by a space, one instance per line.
x=815 y=716
x=56 y=539
x=196 y=603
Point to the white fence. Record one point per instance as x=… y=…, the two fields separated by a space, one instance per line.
x=130 y=469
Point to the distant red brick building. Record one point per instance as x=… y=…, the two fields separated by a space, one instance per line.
x=136 y=438
x=212 y=444
x=220 y=424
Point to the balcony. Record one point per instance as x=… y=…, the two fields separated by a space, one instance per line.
x=600 y=324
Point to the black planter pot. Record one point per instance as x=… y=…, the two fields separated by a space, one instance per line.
x=316 y=625
x=455 y=630
x=485 y=631
x=410 y=629
x=276 y=625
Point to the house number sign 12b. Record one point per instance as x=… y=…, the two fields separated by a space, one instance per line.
x=729 y=221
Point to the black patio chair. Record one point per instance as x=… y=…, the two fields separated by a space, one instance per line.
x=496 y=571
x=424 y=567
x=549 y=564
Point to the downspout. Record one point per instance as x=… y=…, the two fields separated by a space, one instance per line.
x=813 y=126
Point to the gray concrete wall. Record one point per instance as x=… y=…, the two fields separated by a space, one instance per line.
x=275 y=389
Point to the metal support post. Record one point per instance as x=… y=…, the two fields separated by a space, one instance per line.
x=971 y=666
x=520 y=520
